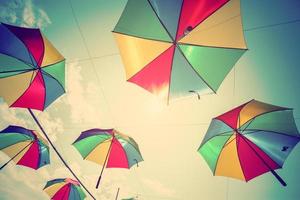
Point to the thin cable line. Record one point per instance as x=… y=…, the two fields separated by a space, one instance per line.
x=272 y=25
x=91 y=60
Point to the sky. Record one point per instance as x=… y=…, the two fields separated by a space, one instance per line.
x=98 y=96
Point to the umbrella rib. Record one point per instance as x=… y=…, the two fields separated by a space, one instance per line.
x=132 y=146
x=276 y=110
x=202 y=19
x=194 y=69
x=18 y=70
x=219 y=156
x=24 y=90
x=49 y=65
x=178 y=22
x=275 y=132
x=43 y=54
x=264 y=162
x=237 y=150
x=28 y=64
x=169 y=88
x=16 y=154
x=47 y=74
x=105 y=141
x=145 y=38
x=68 y=185
x=124 y=152
x=160 y=20
x=222 y=22
x=217 y=47
x=29 y=53
x=218 y=135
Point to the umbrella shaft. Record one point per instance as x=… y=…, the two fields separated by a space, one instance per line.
x=106 y=158
x=15 y=155
x=117 y=194
x=54 y=148
x=283 y=183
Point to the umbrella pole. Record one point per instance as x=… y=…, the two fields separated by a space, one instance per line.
x=15 y=155
x=279 y=178
x=117 y=194
x=283 y=183
x=59 y=155
x=106 y=158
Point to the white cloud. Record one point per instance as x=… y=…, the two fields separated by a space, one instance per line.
x=158 y=188
x=23 y=13
x=80 y=97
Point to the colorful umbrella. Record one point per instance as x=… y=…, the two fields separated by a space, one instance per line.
x=250 y=140
x=34 y=71
x=31 y=66
x=109 y=148
x=25 y=147
x=174 y=48
x=64 y=189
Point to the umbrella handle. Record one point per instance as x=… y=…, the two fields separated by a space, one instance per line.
x=283 y=183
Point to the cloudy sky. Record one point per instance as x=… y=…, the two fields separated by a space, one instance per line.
x=98 y=96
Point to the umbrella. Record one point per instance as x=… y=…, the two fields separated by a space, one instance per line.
x=175 y=48
x=32 y=72
x=64 y=189
x=31 y=66
x=250 y=140
x=109 y=148
x=25 y=147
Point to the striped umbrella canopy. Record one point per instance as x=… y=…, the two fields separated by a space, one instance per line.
x=64 y=189
x=109 y=148
x=25 y=147
x=174 y=48
x=250 y=140
x=31 y=66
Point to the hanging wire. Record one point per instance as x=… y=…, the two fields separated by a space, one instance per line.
x=90 y=58
x=272 y=25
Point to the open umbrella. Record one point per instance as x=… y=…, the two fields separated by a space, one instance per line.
x=175 y=48
x=25 y=147
x=64 y=189
x=32 y=72
x=250 y=140
x=109 y=148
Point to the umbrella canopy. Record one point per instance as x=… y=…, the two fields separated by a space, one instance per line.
x=173 y=48
x=95 y=144
x=31 y=66
x=64 y=189
x=109 y=148
x=250 y=140
x=25 y=147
